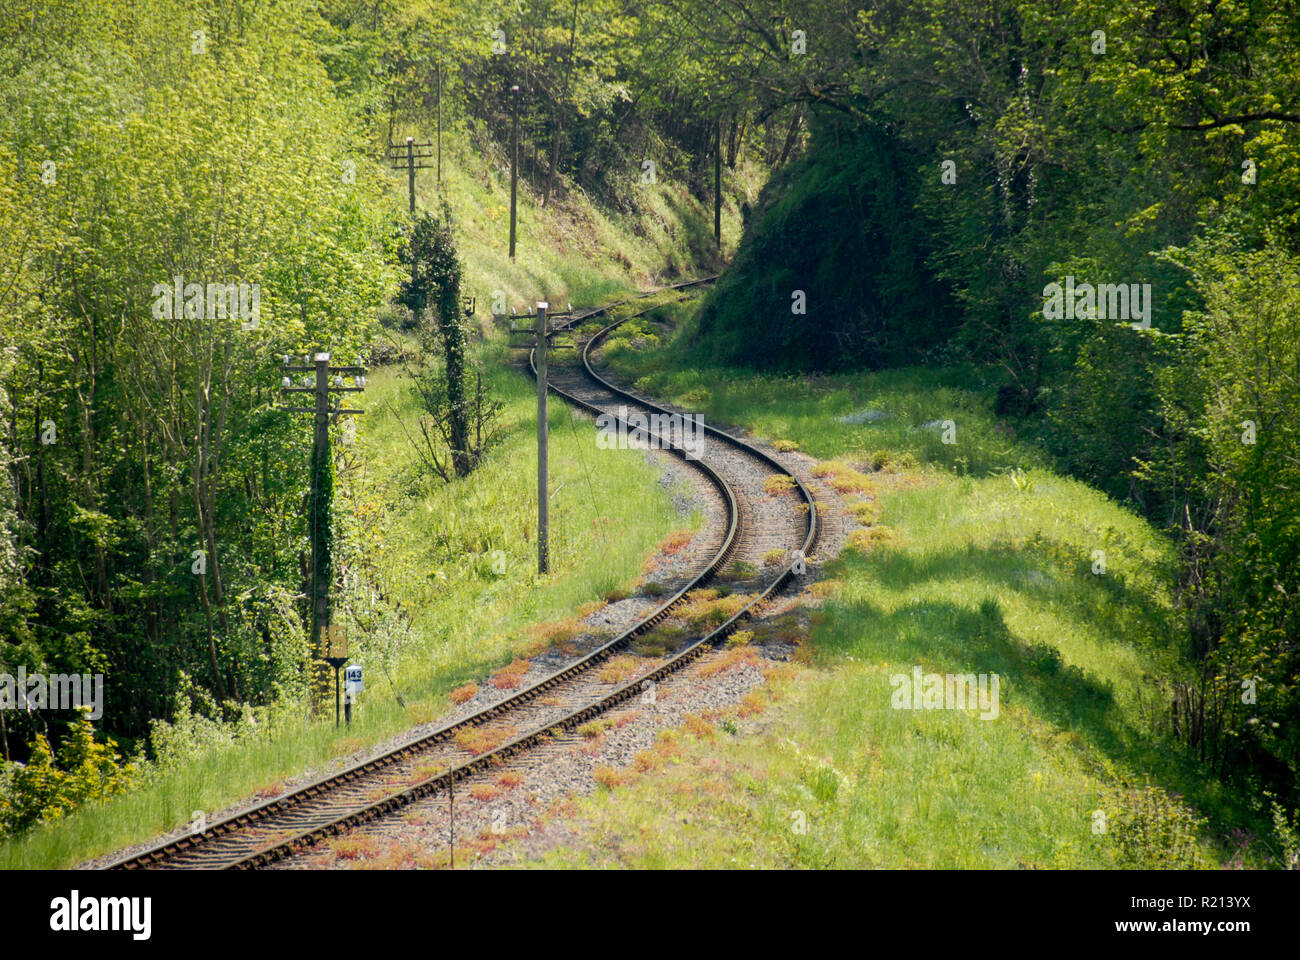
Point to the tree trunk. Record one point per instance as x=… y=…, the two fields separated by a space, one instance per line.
x=559 y=122
x=790 y=136
x=735 y=139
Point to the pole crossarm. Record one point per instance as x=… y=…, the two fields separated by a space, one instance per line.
x=402 y=156
x=329 y=389
x=529 y=339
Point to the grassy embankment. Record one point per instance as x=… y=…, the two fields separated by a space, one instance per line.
x=979 y=559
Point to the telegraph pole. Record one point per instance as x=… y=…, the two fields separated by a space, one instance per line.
x=514 y=161
x=541 y=343
x=543 y=501
x=438 y=69
x=717 y=189
x=329 y=642
x=414 y=153
x=410 y=155
x=410 y=171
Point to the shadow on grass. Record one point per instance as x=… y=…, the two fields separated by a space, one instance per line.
x=952 y=637
x=1109 y=604
x=698 y=231
x=956 y=639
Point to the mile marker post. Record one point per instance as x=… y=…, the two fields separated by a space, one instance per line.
x=543 y=521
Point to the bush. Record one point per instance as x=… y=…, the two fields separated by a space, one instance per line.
x=1152 y=829
x=47 y=788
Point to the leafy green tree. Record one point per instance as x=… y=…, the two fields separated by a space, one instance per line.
x=137 y=158
x=463 y=414
x=46 y=788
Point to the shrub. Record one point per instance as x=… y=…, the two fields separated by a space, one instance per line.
x=607 y=776
x=1152 y=829
x=705 y=611
x=866 y=538
x=511 y=675
x=476 y=740
x=618 y=670
x=741 y=570
x=866 y=512
x=464 y=694
x=740 y=638
x=777 y=484
x=48 y=788
x=843 y=478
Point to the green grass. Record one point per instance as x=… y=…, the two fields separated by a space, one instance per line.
x=983 y=571
x=896 y=407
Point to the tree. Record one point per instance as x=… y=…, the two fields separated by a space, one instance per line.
x=149 y=519
x=48 y=788
x=462 y=418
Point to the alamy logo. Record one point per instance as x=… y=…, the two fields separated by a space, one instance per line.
x=216 y=301
x=74 y=913
x=56 y=691
x=1106 y=301
x=657 y=431
x=946 y=691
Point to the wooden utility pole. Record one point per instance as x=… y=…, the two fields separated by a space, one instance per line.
x=539 y=340
x=514 y=161
x=543 y=501
x=414 y=153
x=438 y=69
x=717 y=189
x=320 y=451
x=320 y=460
x=410 y=171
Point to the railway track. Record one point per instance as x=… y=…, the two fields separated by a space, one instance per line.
x=554 y=707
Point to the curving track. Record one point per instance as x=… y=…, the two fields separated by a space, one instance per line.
x=757 y=523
